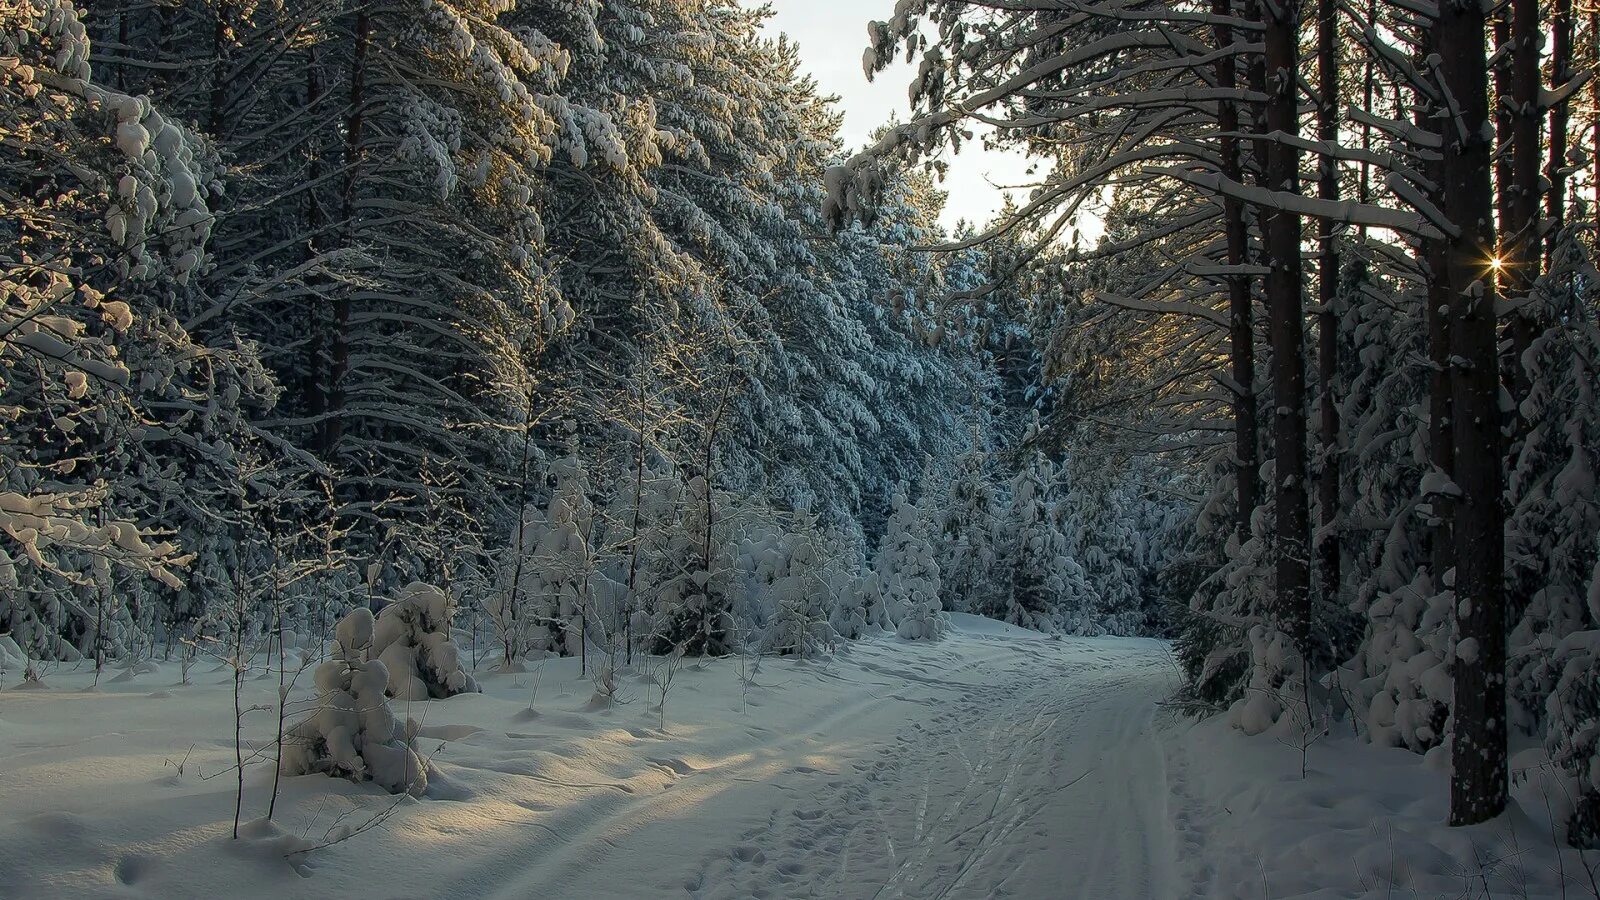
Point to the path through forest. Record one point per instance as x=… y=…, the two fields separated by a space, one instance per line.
x=995 y=762
x=1046 y=780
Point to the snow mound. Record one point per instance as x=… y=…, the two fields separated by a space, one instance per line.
x=1362 y=821
x=412 y=640
x=969 y=623
x=12 y=659
x=353 y=733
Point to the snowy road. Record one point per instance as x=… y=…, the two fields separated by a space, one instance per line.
x=1037 y=776
x=993 y=763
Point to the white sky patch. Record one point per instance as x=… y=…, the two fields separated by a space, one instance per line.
x=832 y=35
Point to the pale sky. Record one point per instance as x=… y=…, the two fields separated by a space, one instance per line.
x=832 y=35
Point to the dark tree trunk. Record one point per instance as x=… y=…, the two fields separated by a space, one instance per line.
x=1519 y=239
x=1368 y=86
x=316 y=219
x=1478 y=782
x=1328 y=495
x=1441 y=428
x=123 y=48
x=1436 y=317
x=339 y=356
x=1286 y=329
x=1503 y=175
x=1241 y=314
x=1560 y=73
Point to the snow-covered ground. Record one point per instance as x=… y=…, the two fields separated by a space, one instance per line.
x=1363 y=821
x=996 y=762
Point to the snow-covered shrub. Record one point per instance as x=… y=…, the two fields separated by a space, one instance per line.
x=1551 y=548
x=12 y=660
x=694 y=606
x=862 y=608
x=908 y=574
x=1035 y=589
x=1402 y=675
x=848 y=617
x=797 y=582
x=353 y=733
x=1573 y=735
x=758 y=565
x=843 y=574
x=968 y=538
x=639 y=522
x=412 y=640
x=546 y=577
x=1213 y=645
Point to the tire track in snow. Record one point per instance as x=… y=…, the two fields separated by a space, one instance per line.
x=576 y=838
x=1044 y=775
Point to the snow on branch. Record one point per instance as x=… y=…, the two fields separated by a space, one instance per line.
x=1350 y=213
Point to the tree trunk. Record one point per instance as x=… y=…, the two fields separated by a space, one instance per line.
x=1241 y=314
x=121 y=81
x=1436 y=318
x=1441 y=433
x=1328 y=494
x=1503 y=126
x=1364 y=184
x=1519 y=240
x=1286 y=329
x=313 y=382
x=339 y=361
x=1560 y=73
x=1478 y=782
x=1594 y=111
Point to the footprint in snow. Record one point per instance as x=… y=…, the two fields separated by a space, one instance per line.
x=748 y=854
x=673 y=764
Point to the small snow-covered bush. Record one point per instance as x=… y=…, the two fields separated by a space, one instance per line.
x=353 y=733
x=798 y=577
x=1276 y=696
x=908 y=574
x=921 y=619
x=1573 y=736
x=858 y=606
x=969 y=539
x=694 y=607
x=12 y=659
x=412 y=640
x=547 y=579
x=1405 y=666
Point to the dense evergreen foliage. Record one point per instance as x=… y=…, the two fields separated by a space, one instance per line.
x=532 y=302
x=1345 y=301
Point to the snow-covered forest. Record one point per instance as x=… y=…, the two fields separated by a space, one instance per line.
x=533 y=414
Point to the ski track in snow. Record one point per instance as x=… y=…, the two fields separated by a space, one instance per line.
x=993 y=763
x=1043 y=781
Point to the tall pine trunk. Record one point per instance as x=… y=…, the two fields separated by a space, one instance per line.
x=1519 y=240
x=1436 y=319
x=1503 y=114
x=355 y=125
x=1594 y=112
x=1478 y=781
x=313 y=384
x=1241 y=314
x=1286 y=328
x=1560 y=73
x=1328 y=494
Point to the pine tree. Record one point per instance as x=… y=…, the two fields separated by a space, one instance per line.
x=968 y=551
x=1033 y=550
x=907 y=574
